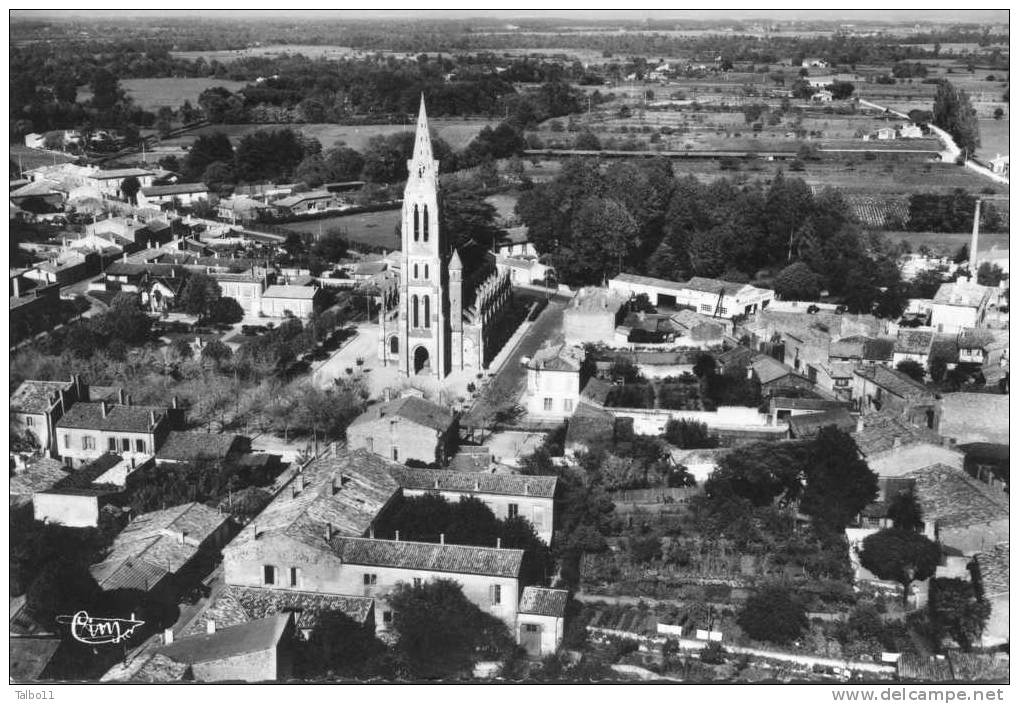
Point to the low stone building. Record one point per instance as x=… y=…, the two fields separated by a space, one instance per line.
x=892 y=446
x=299 y=301
x=960 y=512
x=408 y=428
x=879 y=389
x=540 y=620
x=89 y=430
x=36 y=406
x=593 y=314
x=990 y=575
x=76 y=500
x=914 y=345
x=960 y=304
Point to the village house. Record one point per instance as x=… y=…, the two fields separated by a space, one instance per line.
x=246 y=289
x=285 y=301
x=808 y=425
x=540 y=623
x=892 y=446
x=700 y=331
x=108 y=182
x=508 y=495
x=182 y=193
x=999 y=165
x=990 y=576
x=36 y=406
x=42 y=196
x=88 y=430
x=76 y=500
x=960 y=304
x=408 y=428
x=862 y=349
x=988 y=348
x=878 y=388
x=960 y=512
x=256 y=651
x=516 y=243
x=554 y=381
x=163 y=553
x=593 y=314
x=774 y=376
x=31 y=476
x=975 y=417
x=183 y=446
x=913 y=344
x=910 y=131
x=243 y=209
x=525 y=271
x=822 y=96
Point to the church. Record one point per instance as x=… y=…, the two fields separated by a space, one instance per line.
x=450 y=300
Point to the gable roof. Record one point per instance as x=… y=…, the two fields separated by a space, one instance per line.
x=431 y=557
x=885 y=431
x=810 y=424
x=37 y=396
x=543 y=602
x=769 y=369
x=913 y=341
x=40 y=475
x=175 y=189
x=252 y=637
x=962 y=293
x=895 y=382
x=952 y=498
x=129 y=419
x=118 y=173
x=156 y=544
x=993 y=569
x=183 y=446
x=474 y=482
x=81 y=481
x=345 y=490
x=410 y=408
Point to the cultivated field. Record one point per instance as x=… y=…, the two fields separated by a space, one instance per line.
x=154 y=93
x=377 y=229
x=27 y=158
x=947 y=243
x=458 y=133
x=309 y=50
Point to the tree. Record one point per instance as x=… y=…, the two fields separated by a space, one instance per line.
x=955 y=607
x=468 y=216
x=130 y=187
x=206 y=150
x=839 y=484
x=216 y=351
x=901 y=556
x=954 y=114
x=772 y=614
x=588 y=141
x=602 y=232
x=912 y=369
x=199 y=294
x=106 y=91
x=840 y=90
x=905 y=512
x=182 y=348
x=759 y=472
x=689 y=435
x=338 y=647
x=798 y=282
x=218 y=174
x=440 y=633
x=62 y=587
x=989 y=274
x=270 y=154
x=226 y=310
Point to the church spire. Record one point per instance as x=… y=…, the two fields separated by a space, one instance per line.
x=422 y=140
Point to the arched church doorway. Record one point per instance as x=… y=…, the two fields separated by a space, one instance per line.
x=420 y=359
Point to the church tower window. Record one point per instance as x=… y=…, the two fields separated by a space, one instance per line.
x=417 y=224
x=425 y=227
x=428 y=312
x=414 y=311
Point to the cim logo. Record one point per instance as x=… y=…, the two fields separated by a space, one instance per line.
x=97 y=631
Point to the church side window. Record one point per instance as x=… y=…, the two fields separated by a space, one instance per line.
x=414 y=311
x=425 y=226
x=426 y=271
x=428 y=312
x=416 y=224
x=415 y=271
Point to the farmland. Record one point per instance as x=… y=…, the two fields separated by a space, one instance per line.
x=378 y=229
x=311 y=51
x=458 y=133
x=154 y=93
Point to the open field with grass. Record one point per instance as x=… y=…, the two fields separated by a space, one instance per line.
x=947 y=243
x=458 y=133
x=309 y=50
x=154 y=93
x=33 y=158
x=376 y=229
x=993 y=138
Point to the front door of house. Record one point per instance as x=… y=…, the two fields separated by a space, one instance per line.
x=530 y=638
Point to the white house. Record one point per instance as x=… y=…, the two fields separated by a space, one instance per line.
x=540 y=620
x=822 y=96
x=553 y=381
x=299 y=301
x=960 y=304
x=999 y=165
x=183 y=193
x=713 y=297
x=108 y=182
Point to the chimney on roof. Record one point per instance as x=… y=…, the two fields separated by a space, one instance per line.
x=254 y=530
x=152 y=418
x=329 y=532
x=132 y=461
x=897 y=441
x=397 y=538
x=442 y=538
x=371 y=532
x=180 y=537
x=210 y=627
x=859 y=423
x=174 y=402
x=102 y=406
x=168 y=636
x=124 y=257
x=121 y=397
x=498 y=543
x=435 y=483
x=527 y=489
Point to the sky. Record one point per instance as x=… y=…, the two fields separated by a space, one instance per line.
x=909 y=16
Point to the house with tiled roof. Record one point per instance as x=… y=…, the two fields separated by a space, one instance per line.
x=508 y=495
x=975 y=417
x=183 y=193
x=808 y=425
x=164 y=552
x=960 y=304
x=406 y=428
x=990 y=575
x=913 y=344
x=78 y=499
x=960 y=512
x=36 y=406
x=862 y=349
x=712 y=297
x=877 y=388
x=256 y=651
x=554 y=381
x=36 y=475
x=318 y=536
x=773 y=375
x=892 y=446
x=540 y=620
x=88 y=430
x=189 y=446
x=284 y=301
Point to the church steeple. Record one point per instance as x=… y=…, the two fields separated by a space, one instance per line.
x=422 y=140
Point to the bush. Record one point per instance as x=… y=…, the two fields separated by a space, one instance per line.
x=713 y=654
x=773 y=615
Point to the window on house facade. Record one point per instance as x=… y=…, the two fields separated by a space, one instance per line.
x=426 y=271
x=67 y=441
x=548 y=403
x=125 y=444
x=370 y=580
x=387 y=617
x=539 y=517
x=513 y=510
x=139 y=445
x=496 y=593
x=417 y=582
x=396 y=455
x=112 y=444
x=88 y=443
x=725 y=311
x=295 y=576
x=29 y=421
x=705 y=308
x=268 y=574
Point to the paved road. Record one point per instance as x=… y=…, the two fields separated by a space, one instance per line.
x=504 y=390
